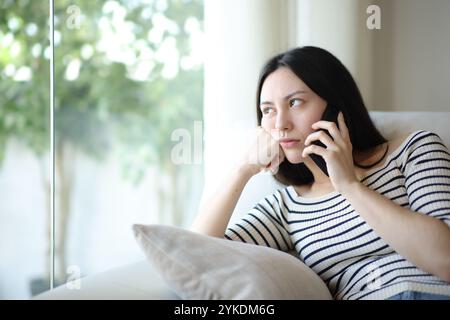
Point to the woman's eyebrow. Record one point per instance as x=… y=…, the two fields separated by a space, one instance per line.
x=286 y=97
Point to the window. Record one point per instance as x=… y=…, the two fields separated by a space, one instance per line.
x=128 y=81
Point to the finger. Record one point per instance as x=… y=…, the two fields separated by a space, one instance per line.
x=332 y=128
x=342 y=126
x=259 y=129
x=314 y=149
x=283 y=156
x=321 y=136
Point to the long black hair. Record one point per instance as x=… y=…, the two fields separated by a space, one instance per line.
x=323 y=73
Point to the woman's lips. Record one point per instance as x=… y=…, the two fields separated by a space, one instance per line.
x=289 y=143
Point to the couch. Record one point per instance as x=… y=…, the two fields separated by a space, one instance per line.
x=139 y=280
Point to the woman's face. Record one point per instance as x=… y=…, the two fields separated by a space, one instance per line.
x=289 y=108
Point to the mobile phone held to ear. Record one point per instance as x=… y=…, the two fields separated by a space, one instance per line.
x=330 y=114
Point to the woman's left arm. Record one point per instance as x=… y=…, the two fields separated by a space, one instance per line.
x=418 y=236
x=421 y=239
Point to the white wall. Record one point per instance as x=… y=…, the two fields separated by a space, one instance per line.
x=412 y=56
x=403 y=66
x=340 y=27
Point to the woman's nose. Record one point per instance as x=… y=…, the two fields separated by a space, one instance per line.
x=282 y=121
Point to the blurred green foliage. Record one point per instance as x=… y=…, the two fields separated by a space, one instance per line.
x=103 y=108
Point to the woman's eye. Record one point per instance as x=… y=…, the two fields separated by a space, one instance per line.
x=267 y=110
x=295 y=102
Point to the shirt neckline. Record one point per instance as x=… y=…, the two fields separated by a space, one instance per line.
x=389 y=156
x=310 y=199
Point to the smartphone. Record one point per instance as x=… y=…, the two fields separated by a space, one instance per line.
x=330 y=114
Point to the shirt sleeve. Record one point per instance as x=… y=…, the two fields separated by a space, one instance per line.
x=426 y=167
x=263 y=225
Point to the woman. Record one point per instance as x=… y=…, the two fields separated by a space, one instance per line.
x=375 y=227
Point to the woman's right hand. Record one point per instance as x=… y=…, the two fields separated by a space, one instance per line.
x=264 y=154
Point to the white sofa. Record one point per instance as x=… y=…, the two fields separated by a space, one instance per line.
x=140 y=281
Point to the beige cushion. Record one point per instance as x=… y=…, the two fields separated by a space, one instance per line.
x=196 y=266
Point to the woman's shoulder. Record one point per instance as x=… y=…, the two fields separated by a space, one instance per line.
x=417 y=137
x=412 y=139
x=418 y=144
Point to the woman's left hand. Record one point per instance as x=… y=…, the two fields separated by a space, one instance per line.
x=338 y=154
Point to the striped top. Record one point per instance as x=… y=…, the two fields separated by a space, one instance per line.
x=334 y=241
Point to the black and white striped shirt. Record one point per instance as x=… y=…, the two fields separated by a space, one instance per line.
x=334 y=241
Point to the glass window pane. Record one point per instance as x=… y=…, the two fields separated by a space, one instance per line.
x=128 y=117
x=24 y=148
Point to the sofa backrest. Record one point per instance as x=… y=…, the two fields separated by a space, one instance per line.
x=390 y=124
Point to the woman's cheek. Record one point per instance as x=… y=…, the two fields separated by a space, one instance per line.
x=265 y=124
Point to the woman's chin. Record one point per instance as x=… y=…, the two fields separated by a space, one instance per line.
x=294 y=159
